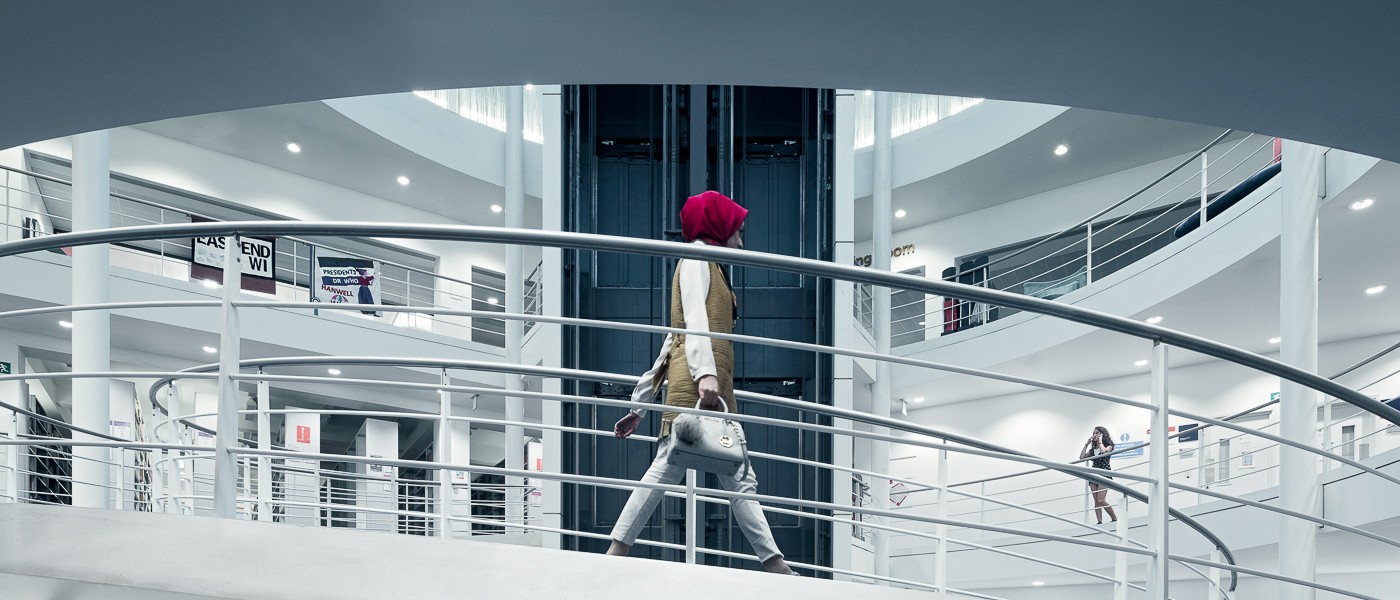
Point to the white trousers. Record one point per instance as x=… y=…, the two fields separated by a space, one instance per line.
x=748 y=513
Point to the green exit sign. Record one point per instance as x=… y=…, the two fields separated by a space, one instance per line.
x=5 y=368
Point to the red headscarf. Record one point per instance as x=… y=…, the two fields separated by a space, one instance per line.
x=711 y=217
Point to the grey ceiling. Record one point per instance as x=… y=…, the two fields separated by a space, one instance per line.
x=1303 y=70
x=337 y=150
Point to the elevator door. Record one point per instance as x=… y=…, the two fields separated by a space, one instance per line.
x=628 y=171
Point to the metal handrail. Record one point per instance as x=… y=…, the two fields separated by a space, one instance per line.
x=1078 y=315
x=981 y=447
x=716 y=254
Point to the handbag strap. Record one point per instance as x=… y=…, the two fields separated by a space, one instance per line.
x=722 y=404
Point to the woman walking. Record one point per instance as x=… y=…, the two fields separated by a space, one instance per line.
x=700 y=370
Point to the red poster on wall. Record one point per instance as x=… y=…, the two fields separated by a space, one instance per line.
x=303 y=434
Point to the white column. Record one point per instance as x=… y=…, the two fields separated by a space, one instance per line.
x=843 y=320
x=552 y=282
x=1158 y=517
x=515 y=298
x=1298 y=490
x=226 y=432
x=880 y=251
x=91 y=329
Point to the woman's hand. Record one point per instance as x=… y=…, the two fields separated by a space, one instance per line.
x=626 y=425
x=709 y=393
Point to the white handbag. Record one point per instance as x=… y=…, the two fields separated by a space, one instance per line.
x=712 y=444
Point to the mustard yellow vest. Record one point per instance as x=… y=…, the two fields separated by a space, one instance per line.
x=719 y=307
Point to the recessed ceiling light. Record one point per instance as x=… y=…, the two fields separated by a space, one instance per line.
x=1141 y=362
x=921 y=323
x=869 y=92
x=1275 y=340
x=1037 y=583
x=1153 y=320
x=529 y=86
x=210 y=349
x=211 y=284
x=65 y=324
x=1375 y=289
x=1061 y=150
x=493 y=300
x=403 y=180
x=1362 y=203
x=917 y=400
x=333 y=371
x=495 y=208
x=899 y=214
x=293 y=147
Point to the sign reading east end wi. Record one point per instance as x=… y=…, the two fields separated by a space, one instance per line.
x=5 y=368
x=257 y=254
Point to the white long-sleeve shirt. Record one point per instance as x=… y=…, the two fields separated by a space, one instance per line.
x=694 y=278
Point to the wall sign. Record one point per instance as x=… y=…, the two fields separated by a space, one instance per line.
x=257 y=264
x=346 y=281
x=5 y=368
x=905 y=250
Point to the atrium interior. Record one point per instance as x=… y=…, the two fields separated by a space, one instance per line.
x=334 y=276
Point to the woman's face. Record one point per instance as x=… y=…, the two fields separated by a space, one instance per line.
x=736 y=240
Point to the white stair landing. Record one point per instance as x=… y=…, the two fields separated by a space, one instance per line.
x=78 y=554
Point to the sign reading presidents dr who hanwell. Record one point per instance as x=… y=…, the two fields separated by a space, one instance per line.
x=257 y=265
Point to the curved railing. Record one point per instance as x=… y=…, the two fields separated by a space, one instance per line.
x=1092 y=248
x=186 y=487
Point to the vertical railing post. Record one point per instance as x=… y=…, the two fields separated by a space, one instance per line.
x=264 y=443
x=982 y=510
x=172 y=469
x=443 y=454
x=1213 y=586
x=119 y=482
x=1120 y=558
x=226 y=431
x=1327 y=422
x=692 y=519
x=1089 y=253
x=940 y=560
x=1158 y=518
x=12 y=460
x=1205 y=187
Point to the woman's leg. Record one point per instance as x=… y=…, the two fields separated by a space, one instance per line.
x=749 y=515
x=643 y=501
x=1094 y=489
x=1101 y=500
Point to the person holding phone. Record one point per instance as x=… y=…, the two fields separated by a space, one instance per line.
x=1099 y=445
